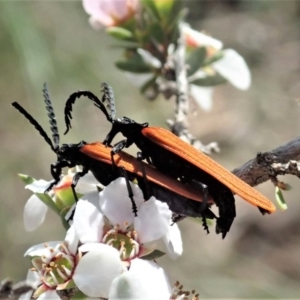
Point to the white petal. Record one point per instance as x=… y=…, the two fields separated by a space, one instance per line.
x=41 y=249
x=149 y=58
x=34 y=213
x=72 y=240
x=88 y=247
x=87 y=183
x=202 y=96
x=33 y=278
x=93 y=198
x=145 y=280
x=116 y=204
x=152 y=221
x=88 y=222
x=38 y=186
x=138 y=80
x=97 y=269
x=173 y=241
x=26 y=296
x=234 y=68
x=49 y=295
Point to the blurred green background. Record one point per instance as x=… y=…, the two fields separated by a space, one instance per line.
x=51 y=41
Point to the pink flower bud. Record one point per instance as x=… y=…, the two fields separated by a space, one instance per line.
x=109 y=12
x=194 y=39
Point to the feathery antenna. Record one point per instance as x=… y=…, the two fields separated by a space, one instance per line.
x=71 y=100
x=51 y=115
x=109 y=98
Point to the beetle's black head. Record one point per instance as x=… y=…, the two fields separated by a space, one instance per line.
x=70 y=153
x=127 y=127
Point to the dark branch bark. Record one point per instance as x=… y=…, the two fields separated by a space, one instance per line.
x=268 y=165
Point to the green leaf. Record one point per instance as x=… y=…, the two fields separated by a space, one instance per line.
x=280 y=199
x=46 y=199
x=213 y=58
x=63 y=214
x=164 y=7
x=26 y=178
x=154 y=255
x=133 y=65
x=199 y=221
x=151 y=8
x=196 y=59
x=174 y=25
x=209 y=80
x=120 y=33
x=157 y=32
x=148 y=84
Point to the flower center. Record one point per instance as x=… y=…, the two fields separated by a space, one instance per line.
x=56 y=266
x=126 y=243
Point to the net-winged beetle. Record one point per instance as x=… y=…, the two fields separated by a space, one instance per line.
x=182 y=199
x=174 y=157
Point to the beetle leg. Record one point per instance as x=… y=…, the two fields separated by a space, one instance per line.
x=148 y=193
x=130 y=193
x=203 y=205
x=76 y=178
x=204 y=224
x=119 y=146
x=203 y=187
x=176 y=218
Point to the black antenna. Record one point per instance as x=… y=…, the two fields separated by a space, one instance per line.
x=108 y=97
x=51 y=115
x=71 y=100
x=37 y=126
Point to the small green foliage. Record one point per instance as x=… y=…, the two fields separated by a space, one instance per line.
x=63 y=214
x=26 y=178
x=280 y=199
x=133 y=65
x=148 y=84
x=196 y=60
x=209 y=60
x=120 y=33
x=209 y=80
x=151 y=8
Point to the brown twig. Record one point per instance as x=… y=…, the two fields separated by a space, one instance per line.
x=268 y=165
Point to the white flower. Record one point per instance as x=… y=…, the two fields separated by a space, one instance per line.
x=231 y=66
x=57 y=199
x=115 y=223
x=60 y=265
x=112 y=224
x=53 y=266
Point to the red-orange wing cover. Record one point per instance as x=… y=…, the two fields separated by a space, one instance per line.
x=100 y=152
x=171 y=142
